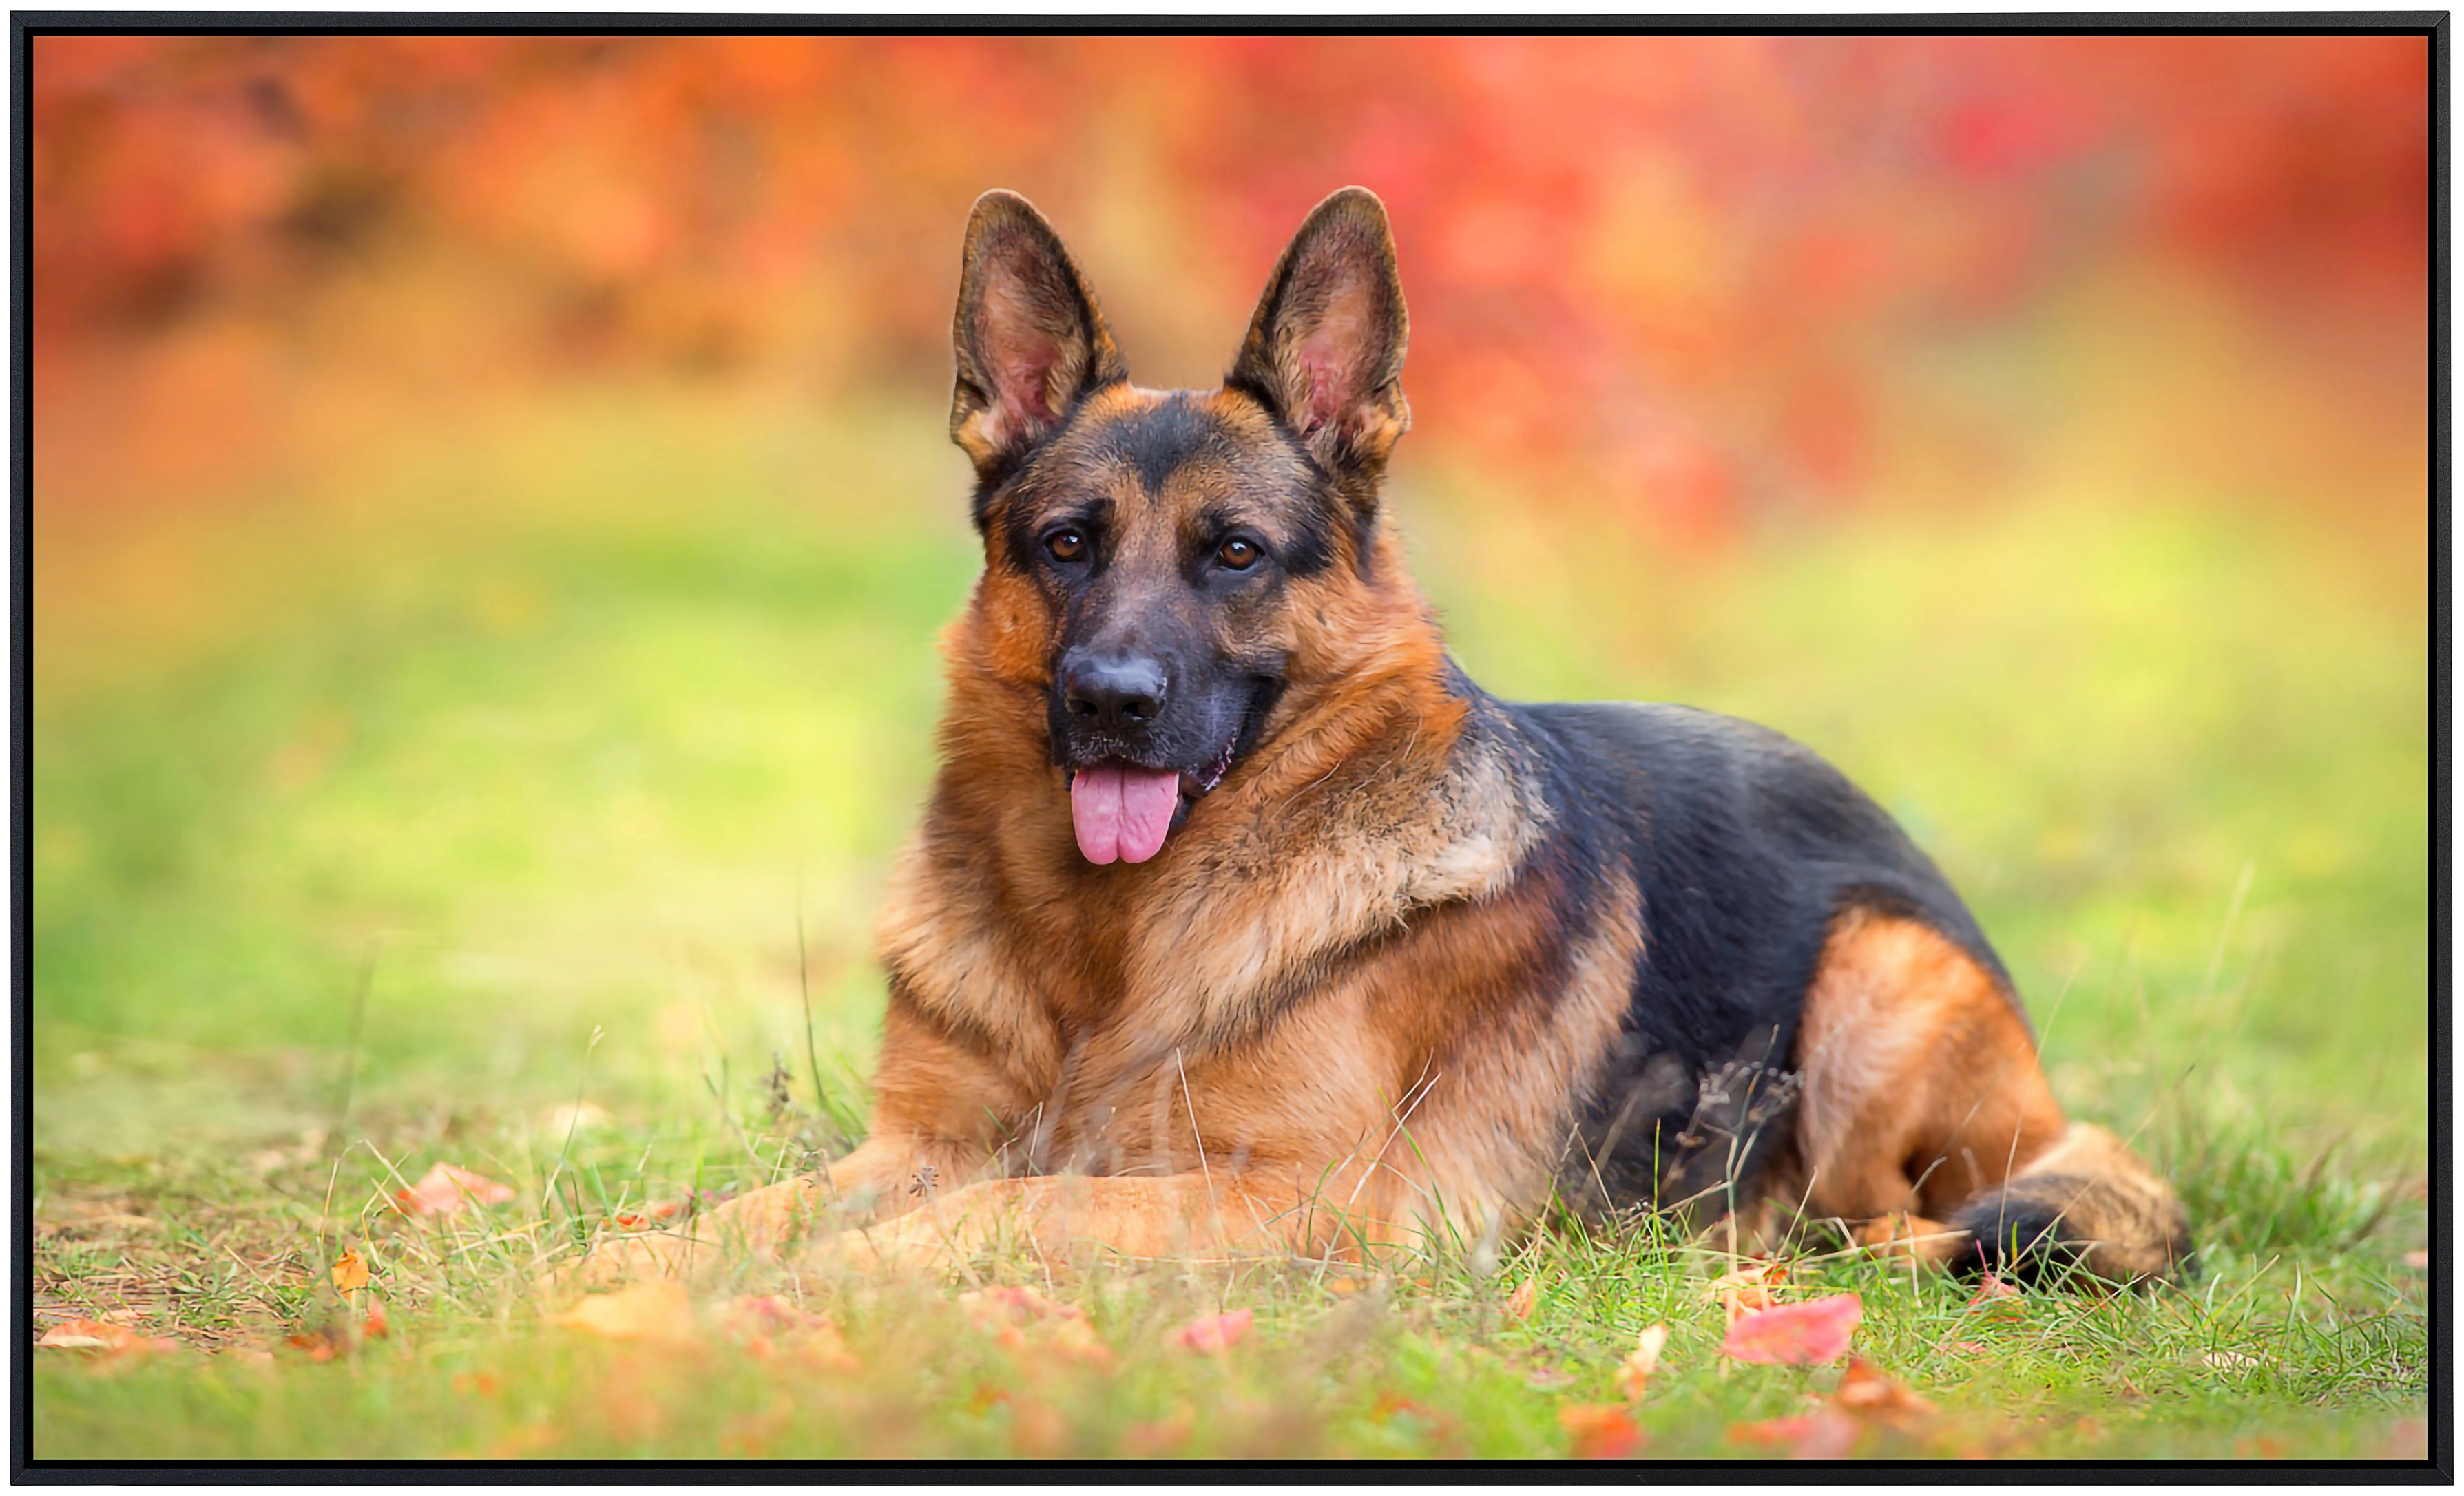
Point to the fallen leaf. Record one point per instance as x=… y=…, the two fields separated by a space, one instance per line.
x=1601 y=1430
x=320 y=1348
x=444 y=1188
x=1867 y=1391
x=1215 y=1332
x=1811 y=1333
x=1340 y=1286
x=114 y=1340
x=483 y=1383
x=375 y=1326
x=1826 y=1434
x=1749 y=1290
x=1524 y=1299
x=350 y=1273
x=1989 y=1288
x=649 y=1216
x=1636 y=1372
x=655 y=1308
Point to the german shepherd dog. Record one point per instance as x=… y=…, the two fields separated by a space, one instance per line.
x=1240 y=917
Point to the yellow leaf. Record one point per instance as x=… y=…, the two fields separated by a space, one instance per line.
x=350 y=1273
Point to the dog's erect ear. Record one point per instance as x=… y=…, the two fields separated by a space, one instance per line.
x=1325 y=349
x=1028 y=337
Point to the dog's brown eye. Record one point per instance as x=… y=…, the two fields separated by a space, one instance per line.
x=1236 y=554
x=1066 y=545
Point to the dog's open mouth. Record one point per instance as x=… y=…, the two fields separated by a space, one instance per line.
x=1123 y=811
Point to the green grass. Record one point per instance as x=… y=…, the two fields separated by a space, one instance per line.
x=556 y=735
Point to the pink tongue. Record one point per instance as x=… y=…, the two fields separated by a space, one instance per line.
x=1122 y=813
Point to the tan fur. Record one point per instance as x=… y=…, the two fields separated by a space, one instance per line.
x=1922 y=1087
x=1923 y=1094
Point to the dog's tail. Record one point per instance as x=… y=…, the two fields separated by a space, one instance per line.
x=2086 y=1204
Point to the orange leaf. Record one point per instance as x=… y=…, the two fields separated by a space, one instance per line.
x=655 y=1308
x=350 y=1273
x=1521 y=1302
x=1749 y=1290
x=318 y=1347
x=1636 y=1373
x=375 y=1327
x=1825 y=1434
x=1601 y=1430
x=444 y=1188
x=1216 y=1332
x=1809 y=1334
x=1756 y=1274
x=1867 y=1391
x=94 y=1334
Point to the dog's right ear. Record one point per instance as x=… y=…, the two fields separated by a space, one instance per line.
x=1028 y=337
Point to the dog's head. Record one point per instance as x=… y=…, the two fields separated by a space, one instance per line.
x=1156 y=560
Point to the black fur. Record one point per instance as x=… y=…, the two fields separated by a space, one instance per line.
x=1745 y=848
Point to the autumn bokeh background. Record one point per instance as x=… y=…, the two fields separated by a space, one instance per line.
x=491 y=506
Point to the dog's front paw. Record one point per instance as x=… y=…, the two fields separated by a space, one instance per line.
x=656 y=1255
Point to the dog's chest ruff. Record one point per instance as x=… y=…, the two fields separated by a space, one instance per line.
x=1225 y=933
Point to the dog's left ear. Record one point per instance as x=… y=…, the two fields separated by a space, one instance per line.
x=1325 y=351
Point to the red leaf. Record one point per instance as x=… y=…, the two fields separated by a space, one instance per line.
x=1997 y=1296
x=1216 y=1332
x=444 y=1188
x=1812 y=1334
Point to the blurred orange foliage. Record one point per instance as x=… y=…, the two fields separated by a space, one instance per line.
x=1679 y=257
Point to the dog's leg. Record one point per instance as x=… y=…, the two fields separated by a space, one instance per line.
x=1923 y=1097
x=882 y=1176
x=1133 y=1217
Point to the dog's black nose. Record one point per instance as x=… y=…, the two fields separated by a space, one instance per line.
x=1118 y=691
